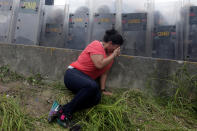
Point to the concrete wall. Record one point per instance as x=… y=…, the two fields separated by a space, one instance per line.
x=51 y=63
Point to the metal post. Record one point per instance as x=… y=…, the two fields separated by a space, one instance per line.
x=150 y=22
x=186 y=42
x=91 y=17
x=66 y=22
x=118 y=25
x=15 y=8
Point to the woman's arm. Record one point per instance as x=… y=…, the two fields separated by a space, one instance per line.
x=100 y=62
x=103 y=80
x=103 y=83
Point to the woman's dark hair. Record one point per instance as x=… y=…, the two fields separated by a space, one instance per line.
x=114 y=36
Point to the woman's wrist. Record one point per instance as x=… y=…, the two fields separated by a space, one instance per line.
x=102 y=90
x=113 y=55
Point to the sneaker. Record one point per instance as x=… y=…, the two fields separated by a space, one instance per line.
x=54 y=111
x=64 y=120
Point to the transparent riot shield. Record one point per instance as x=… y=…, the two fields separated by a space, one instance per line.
x=52 y=33
x=104 y=17
x=166 y=21
x=134 y=27
x=6 y=10
x=164 y=41
x=191 y=31
x=76 y=37
x=28 y=25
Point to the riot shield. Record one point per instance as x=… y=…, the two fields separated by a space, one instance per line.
x=52 y=33
x=6 y=11
x=166 y=30
x=103 y=18
x=164 y=42
x=28 y=24
x=76 y=38
x=191 y=32
x=134 y=30
x=134 y=27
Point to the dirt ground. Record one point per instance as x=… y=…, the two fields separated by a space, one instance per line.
x=35 y=100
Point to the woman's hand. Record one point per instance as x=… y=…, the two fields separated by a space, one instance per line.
x=99 y=60
x=116 y=52
x=107 y=93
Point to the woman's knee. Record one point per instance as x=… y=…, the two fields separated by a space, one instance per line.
x=66 y=79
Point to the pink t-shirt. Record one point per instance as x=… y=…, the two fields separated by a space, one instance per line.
x=85 y=64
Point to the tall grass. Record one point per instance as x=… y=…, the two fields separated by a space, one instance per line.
x=184 y=86
x=12 y=116
x=178 y=98
x=111 y=114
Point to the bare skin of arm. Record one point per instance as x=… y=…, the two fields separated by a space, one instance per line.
x=103 y=83
x=100 y=62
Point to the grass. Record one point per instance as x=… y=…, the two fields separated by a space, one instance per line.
x=126 y=110
x=155 y=113
x=13 y=116
x=36 y=79
x=6 y=75
x=133 y=110
x=184 y=86
x=111 y=114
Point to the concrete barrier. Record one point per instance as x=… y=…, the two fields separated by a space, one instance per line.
x=51 y=63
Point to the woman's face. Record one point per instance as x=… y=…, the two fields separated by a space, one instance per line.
x=112 y=47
